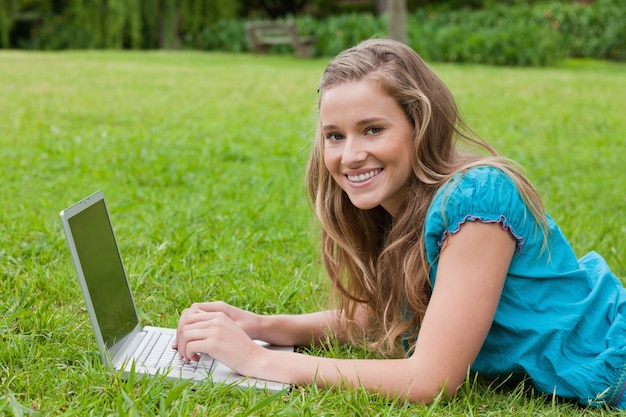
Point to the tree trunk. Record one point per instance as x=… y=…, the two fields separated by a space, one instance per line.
x=381 y=7
x=397 y=16
x=169 y=25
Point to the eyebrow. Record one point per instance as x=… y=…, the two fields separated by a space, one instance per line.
x=366 y=121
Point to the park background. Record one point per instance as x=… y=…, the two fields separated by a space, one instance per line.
x=200 y=147
x=506 y=32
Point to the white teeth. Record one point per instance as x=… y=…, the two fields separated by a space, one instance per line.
x=363 y=177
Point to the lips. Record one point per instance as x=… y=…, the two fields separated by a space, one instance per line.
x=364 y=176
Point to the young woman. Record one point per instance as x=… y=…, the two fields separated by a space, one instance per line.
x=443 y=261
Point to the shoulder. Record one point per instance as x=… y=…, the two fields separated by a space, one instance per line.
x=484 y=194
x=479 y=191
x=477 y=180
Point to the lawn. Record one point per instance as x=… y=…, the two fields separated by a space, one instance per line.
x=201 y=157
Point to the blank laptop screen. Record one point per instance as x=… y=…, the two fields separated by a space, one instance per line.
x=104 y=272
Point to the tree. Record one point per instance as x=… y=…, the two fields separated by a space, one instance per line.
x=397 y=17
x=7 y=9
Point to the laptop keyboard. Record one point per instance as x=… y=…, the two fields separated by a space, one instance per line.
x=158 y=353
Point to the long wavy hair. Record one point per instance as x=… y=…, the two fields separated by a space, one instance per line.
x=373 y=260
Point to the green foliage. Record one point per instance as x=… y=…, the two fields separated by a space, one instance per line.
x=337 y=33
x=129 y=24
x=210 y=24
x=197 y=13
x=7 y=10
x=227 y=35
x=595 y=31
x=527 y=35
x=58 y=33
x=497 y=36
x=90 y=24
x=517 y=34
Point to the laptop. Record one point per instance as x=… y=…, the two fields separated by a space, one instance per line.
x=125 y=345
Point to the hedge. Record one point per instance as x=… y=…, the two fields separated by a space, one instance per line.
x=520 y=35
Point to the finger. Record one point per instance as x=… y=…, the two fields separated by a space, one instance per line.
x=196 y=341
x=196 y=318
x=202 y=329
x=191 y=354
x=181 y=322
x=206 y=317
x=188 y=317
x=206 y=306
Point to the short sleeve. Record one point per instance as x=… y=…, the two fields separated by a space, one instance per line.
x=484 y=194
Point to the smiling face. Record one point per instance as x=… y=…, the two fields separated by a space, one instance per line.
x=368 y=144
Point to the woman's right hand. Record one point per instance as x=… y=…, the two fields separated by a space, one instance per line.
x=249 y=322
x=282 y=330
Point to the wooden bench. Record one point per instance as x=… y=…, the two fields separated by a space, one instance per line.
x=262 y=35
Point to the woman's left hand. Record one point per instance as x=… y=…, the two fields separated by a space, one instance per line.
x=217 y=335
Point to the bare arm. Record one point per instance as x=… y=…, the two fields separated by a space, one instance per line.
x=472 y=268
x=299 y=330
x=304 y=329
x=284 y=329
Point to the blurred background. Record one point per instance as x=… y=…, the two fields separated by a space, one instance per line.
x=497 y=32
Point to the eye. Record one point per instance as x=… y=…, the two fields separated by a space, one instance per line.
x=373 y=130
x=334 y=137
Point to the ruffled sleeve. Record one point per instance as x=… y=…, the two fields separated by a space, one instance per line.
x=484 y=194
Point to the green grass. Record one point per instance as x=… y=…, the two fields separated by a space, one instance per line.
x=202 y=157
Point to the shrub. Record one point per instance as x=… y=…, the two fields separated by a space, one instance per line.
x=497 y=36
x=590 y=31
x=337 y=33
x=536 y=34
x=56 y=33
x=227 y=35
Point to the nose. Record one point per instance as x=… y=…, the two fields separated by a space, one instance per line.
x=354 y=152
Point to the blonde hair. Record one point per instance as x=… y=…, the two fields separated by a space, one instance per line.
x=372 y=259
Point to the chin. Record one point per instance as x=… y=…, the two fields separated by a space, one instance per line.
x=362 y=205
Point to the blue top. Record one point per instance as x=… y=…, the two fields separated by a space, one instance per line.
x=561 y=320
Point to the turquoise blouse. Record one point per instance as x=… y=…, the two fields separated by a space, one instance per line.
x=561 y=321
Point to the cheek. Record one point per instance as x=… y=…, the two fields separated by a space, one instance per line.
x=331 y=160
x=408 y=163
x=408 y=151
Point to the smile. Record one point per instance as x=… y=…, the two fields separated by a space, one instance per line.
x=364 y=177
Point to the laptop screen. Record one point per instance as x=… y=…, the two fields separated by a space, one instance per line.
x=104 y=272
